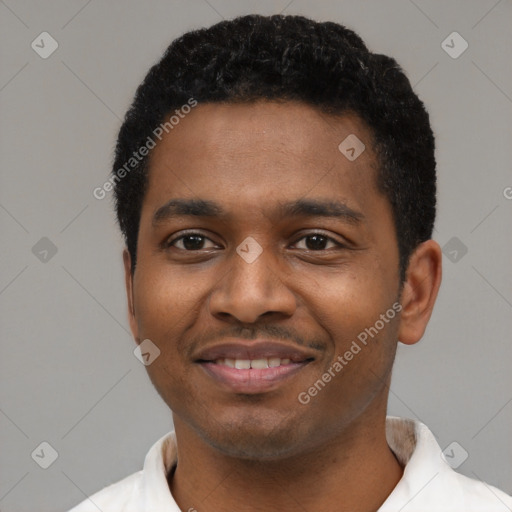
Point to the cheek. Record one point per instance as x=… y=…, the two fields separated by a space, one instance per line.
x=164 y=299
x=166 y=306
x=363 y=344
x=362 y=327
x=347 y=302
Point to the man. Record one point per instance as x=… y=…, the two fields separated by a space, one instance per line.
x=275 y=183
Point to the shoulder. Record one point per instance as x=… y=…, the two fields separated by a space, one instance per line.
x=429 y=482
x=122 y=496
x=141 y=490
x=475 y=495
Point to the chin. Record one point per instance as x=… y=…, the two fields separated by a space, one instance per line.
x=253 y=447
x=256 y=438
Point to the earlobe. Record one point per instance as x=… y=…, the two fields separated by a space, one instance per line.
x=129 y=293
x=423 y=279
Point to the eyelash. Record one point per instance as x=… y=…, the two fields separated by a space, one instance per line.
x=169 y=243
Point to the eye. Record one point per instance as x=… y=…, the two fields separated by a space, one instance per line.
x=318 y=242
x=193 y=241
x=190 y=242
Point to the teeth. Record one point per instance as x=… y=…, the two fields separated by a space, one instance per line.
x=257 y=364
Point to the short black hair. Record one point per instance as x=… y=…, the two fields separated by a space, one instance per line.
x=291 y=58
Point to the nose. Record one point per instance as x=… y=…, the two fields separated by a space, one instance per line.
x=250 y=290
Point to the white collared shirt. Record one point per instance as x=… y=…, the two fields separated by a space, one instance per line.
x=428 y=483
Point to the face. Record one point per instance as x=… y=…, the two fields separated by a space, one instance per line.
x=261 y=244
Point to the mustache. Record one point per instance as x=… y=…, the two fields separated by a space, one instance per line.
x=263 y=331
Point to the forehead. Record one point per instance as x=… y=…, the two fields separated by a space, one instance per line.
x=253 y=154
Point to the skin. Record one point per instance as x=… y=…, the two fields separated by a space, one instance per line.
x=268 y=451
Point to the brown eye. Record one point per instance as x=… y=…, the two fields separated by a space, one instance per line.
x=318 y=242
x=190 y=242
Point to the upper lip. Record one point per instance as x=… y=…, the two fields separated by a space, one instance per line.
x=256 y=349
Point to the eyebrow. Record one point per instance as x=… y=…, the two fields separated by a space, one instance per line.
x=299 y=208
x=320 y=208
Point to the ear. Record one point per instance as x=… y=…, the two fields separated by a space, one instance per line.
x=128 y=277
x=419 y=293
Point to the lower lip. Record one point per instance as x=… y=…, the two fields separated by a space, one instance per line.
x=252 y=381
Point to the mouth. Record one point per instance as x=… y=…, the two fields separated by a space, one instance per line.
x=253 y=364
x=253 y=368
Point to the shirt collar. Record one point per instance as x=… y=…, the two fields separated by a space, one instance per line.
x=160 y=460
x=419 y=454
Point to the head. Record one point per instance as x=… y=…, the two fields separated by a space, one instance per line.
x=287 y=140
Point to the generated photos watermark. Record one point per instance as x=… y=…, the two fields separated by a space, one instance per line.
x=342 y=360
x=101 y=192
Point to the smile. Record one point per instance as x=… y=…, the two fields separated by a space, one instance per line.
x=258 y=364
x=252 y=376
x=253 y=367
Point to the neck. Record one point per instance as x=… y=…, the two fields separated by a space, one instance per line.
x=354 y=471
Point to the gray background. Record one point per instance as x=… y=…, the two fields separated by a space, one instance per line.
x=68 y=373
